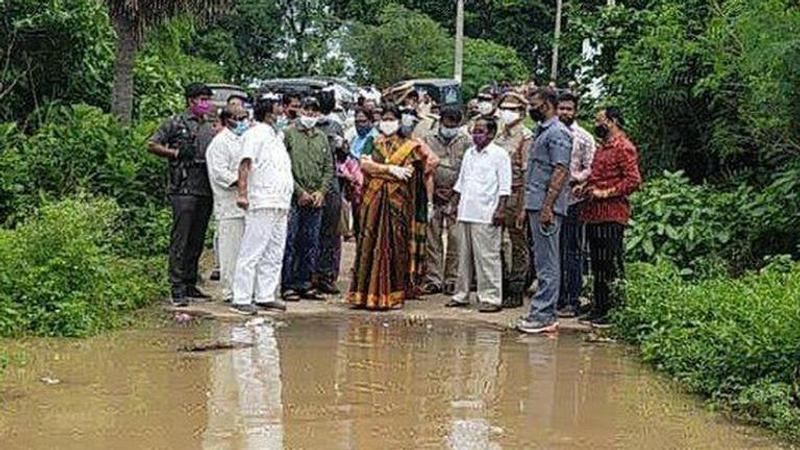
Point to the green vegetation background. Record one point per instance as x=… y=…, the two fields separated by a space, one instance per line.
x=710 y=88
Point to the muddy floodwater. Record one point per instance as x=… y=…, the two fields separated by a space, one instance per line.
x=328 y=383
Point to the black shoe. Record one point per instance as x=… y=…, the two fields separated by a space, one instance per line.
x=456 y=304
x=567 y=312
x=290 y=295
x=312 y=294
x=180 y=302
x=328 y=289
x=489 y=308
x=587 y=316
x=601 y=323
x=272 y=306
x=214 y=275
x=512 y=301
x=193 y=292
x=449 y=289
x=245 y=310
x=431 y=289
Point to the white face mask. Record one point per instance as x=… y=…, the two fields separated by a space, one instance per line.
x=508 y=116
x=389 y=127
x=308 y=122
x=485 y=107
x=408 y=120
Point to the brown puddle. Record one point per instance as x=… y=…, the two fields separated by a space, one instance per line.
x=349 y=384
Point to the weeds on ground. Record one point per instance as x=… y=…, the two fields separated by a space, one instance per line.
x=736 y=341
x=60 y=275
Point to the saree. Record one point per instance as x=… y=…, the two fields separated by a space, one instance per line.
x=392 y=219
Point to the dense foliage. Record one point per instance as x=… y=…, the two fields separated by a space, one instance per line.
x=421 y=48
x=61 y=51
x=710 y=87
x=736 y=341
x=60 y=275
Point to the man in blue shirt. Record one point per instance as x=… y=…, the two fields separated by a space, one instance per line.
x=546 y=203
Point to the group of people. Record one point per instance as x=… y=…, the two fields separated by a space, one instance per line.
x=443 y=200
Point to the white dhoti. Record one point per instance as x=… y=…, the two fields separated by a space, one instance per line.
x=258 y=267
x=479 y=253
x=228 y=240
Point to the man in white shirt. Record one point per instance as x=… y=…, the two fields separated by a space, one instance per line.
x=483 y=186
x=222 y=161
x=265 y=186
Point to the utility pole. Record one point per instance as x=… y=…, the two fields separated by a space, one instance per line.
x=459 y=59
x=556 y=38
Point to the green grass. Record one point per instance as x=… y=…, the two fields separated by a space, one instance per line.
x=735 y=341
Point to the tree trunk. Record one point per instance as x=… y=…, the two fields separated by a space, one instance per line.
x=122 y=94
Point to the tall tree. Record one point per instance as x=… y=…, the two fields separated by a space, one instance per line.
x=130 y=19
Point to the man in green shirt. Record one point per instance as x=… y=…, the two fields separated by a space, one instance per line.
x=312 y=169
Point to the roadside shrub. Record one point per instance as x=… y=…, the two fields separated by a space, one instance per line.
x=736 y=341
x=80 y=149
x=59 y=275
x=693 y=226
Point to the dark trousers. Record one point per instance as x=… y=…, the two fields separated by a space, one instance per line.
x=330 y=239
x=571 y=259
x=302 y=247
x=190 y=215
x=607 y=261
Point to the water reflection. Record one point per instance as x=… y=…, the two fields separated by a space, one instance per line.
x=339 y=384
x=245 y=408
x=335 y=383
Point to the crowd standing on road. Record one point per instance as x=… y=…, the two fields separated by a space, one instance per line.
x=440 y=199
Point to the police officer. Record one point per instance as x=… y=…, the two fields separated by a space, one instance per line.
x=183 y=140
x=515 y=138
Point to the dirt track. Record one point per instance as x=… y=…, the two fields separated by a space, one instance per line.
x=415 y=311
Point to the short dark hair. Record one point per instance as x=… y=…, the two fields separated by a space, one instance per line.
x=263 y=108
x=491 y=123
x=615 y=113
x=195 y=90
x=288 y=98
x=310 y=103
x=392 y=108
x=451 y=112
x=362 y=110
x=568 y=96
x=241 y=97
x=547 y=94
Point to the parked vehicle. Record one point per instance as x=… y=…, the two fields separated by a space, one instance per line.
x=442 y=90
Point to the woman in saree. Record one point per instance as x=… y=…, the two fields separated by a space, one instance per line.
x=392 y=217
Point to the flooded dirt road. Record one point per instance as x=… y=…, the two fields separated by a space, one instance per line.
x=334 y=383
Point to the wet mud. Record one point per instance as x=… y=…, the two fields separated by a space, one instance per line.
x=349 y=383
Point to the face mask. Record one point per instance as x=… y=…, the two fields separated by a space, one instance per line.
x=508 y=116
x=201 y=108
x=601 y=131
x=308 y=122
x=282 y=122
x=485 y=107
x=240 y=128
x=363 y=131
x=408 y=120
x=536 y=115
x=389 y=127
x=448 y=133
x=480 y=140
